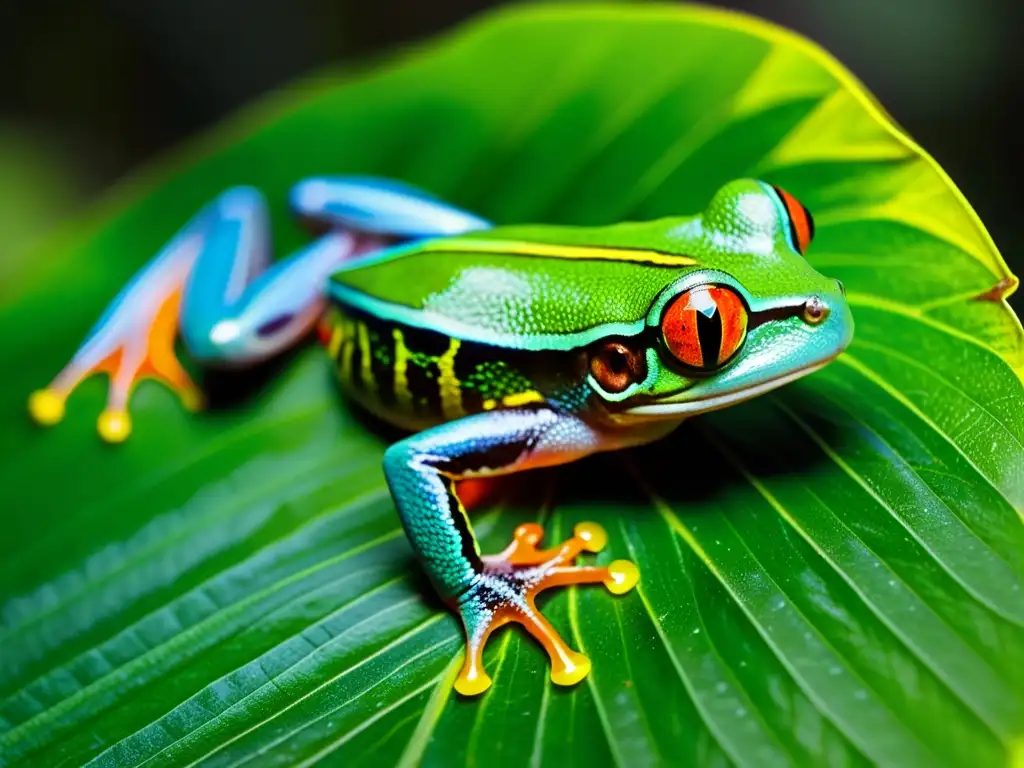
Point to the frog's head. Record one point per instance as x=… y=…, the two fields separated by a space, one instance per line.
x=750 y=316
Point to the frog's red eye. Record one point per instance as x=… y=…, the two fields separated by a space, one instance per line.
x=801 y=223
x=704 y=326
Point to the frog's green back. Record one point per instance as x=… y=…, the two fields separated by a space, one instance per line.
x=530 y=287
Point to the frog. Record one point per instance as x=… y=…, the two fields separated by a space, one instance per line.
x=495 y=349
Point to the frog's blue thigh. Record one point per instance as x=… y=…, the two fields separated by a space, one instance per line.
x=236 y=310
x=380 y=207
x=233 y=315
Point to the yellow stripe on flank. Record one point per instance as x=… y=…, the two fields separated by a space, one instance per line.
x=448 y=384
x=512 y=401
x=522 y=398
x=366 y=369
x=335 y=343
x=348 y=346
x=549 y=250
x=403 y=395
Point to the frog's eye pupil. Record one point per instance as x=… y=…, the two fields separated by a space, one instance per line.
x=617 y=361
x=798 y=219
x=705 y=326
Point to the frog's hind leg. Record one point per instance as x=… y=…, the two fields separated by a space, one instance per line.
x=212 y=283
x=133 y=339
x=228 y=320
x=380 y=209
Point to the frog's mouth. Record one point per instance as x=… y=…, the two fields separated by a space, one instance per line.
x=694 y=406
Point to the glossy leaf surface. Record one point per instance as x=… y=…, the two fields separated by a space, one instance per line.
x=829 y=575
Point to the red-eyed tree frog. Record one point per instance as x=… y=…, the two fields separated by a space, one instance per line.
x=500 y=348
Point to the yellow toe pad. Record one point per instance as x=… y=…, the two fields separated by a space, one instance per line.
x=46 y=407
x=472 y=684
x=576 y=668
x=624 y=576
x=114 y=426
x=592 y=535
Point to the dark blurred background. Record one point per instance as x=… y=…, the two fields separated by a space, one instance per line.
x=90 y=90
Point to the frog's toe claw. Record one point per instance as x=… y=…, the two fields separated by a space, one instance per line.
x=46 y=406
x=506 y=589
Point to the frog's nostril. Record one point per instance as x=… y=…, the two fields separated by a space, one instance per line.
x=842 y=288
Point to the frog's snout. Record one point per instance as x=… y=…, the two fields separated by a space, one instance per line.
x=842 y=319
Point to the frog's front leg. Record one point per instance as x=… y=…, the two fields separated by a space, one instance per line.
x=490 y=591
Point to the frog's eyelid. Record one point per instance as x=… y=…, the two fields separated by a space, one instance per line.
x=800 y=231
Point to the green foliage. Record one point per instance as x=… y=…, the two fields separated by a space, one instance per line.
x=830 y=574
x=35 y=188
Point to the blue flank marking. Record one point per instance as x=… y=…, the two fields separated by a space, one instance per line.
x=432 y=321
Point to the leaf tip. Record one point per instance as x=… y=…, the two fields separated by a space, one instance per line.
x=1001 y=290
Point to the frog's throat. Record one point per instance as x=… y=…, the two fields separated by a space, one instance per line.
x=695 y=406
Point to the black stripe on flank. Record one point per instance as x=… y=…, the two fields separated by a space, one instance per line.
x=382 y=358
x=422 y=372
x=467 y=361
x=709 y=334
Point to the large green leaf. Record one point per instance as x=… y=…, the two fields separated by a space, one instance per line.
x=831 y=574
x=35 y=185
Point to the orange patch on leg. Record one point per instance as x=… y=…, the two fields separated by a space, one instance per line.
x=474 y=491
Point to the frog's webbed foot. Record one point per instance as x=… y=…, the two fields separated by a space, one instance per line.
x=505 y=591
x=133 y=341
